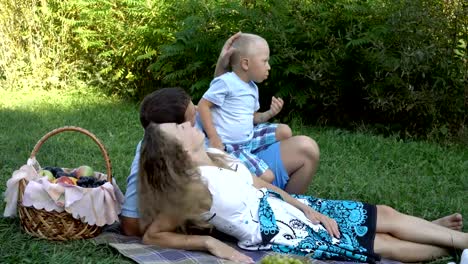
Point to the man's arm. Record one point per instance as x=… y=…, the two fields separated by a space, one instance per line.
x=129 y=216
x=222 y=66
x=204 y=108
x=130 y=226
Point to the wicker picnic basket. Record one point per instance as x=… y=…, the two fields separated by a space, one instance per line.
x=55 y=225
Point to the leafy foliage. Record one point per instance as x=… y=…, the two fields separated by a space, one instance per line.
x=398 y=66
x=385 y=63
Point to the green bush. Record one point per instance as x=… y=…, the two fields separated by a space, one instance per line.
x=398 y=66
x=118 y=39
x=389 y=64
x=101 y=43
x=34 y=50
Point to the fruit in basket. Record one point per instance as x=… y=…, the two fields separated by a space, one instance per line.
x=61 y=174
x=74 y=180
x=83 y=171
x=47 y=173
x=54 y=170
x=73 y=174
x=89 y=182
x=66 y=180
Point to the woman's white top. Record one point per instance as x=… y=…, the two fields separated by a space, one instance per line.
x=235 y=207
x=234 y=210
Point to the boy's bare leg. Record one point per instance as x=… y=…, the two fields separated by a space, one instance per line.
x=417 y=230
x=283 y=132
x=300 y=156
x=396 y=249
x=453 y=221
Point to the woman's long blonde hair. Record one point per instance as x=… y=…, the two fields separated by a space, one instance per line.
x=169 y=182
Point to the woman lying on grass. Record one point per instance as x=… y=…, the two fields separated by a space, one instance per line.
x=192 y=187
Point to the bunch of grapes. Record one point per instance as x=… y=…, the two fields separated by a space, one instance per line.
x=277 y=259
x=89 y=182
x=56 y=171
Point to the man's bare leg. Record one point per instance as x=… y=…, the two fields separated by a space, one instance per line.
x=300 y=156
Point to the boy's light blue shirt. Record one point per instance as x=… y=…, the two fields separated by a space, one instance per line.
x=235 y=103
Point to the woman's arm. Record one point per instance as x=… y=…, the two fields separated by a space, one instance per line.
x=161 y=232
x=314 y=216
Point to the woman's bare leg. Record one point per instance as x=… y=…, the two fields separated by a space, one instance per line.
x=393 y=248
x=453 y=221
x=300 y=156
x=417 y=230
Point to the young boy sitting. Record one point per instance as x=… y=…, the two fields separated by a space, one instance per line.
x=228 y=109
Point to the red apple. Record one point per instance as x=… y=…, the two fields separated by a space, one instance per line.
x=67 y=180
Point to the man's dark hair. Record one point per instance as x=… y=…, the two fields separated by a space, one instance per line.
x=166 y=105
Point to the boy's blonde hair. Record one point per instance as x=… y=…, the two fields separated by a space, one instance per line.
x=243 y=46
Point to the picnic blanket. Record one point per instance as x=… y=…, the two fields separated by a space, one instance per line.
x=133 y=248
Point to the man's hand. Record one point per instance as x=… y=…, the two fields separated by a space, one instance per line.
x=276 y=106
x=221 y=250
x=225 y=55
x=317 y=218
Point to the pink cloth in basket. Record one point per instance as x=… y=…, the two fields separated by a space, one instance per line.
x=95 y=206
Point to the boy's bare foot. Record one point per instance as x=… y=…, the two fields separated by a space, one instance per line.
x=453 y=221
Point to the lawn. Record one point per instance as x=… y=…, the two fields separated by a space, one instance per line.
x=420 y=178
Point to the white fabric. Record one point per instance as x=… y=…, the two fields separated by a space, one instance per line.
x=464 y=257
x=232 y=212
x=235 y=102
x=27 y=172
x=235 y=206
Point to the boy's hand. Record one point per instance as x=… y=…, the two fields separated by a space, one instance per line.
x=276 y=105
x=216 y=142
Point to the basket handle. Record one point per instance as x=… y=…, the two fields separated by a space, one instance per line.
x=83 y=131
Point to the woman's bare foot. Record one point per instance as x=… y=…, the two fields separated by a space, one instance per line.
x=453 y=221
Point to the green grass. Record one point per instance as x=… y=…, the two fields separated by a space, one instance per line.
x=419 y=178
